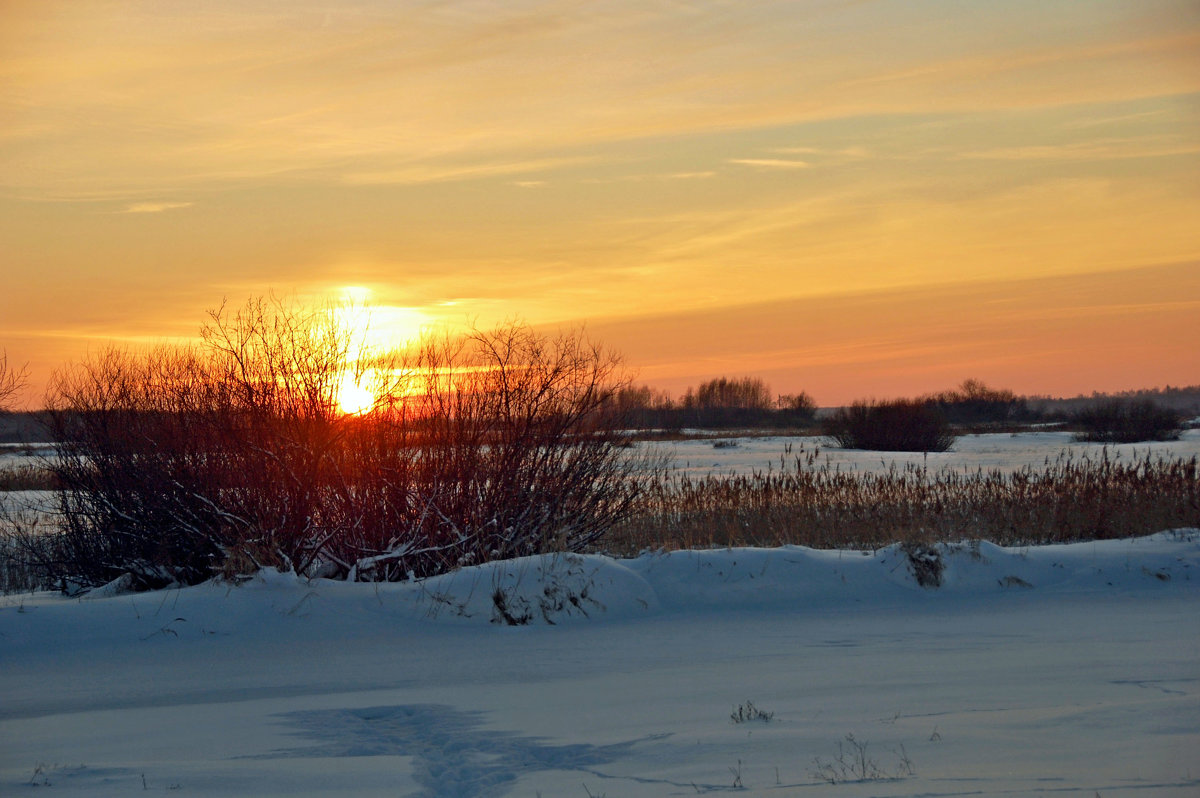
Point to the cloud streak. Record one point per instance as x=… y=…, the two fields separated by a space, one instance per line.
x=155 y=207
x=770 y=163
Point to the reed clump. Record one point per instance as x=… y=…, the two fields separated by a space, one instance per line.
x=812 y=503
x=28 y=477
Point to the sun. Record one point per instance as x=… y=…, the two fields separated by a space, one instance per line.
x=372 y=330
x=353 y=398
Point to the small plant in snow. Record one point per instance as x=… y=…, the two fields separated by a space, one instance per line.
x=926 y=564
x=748 y=712
x=510 y=609
x=566 y=589
x=40 y=777
x=737 y=776
x=853 y=764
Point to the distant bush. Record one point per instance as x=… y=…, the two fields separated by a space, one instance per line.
x=973 y=402
x=1127 y=421
x=901 y=425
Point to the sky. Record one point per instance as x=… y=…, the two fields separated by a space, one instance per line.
x=851 y=198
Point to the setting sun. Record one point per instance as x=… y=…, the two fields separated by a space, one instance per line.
x=372 y=331
x=353 y=397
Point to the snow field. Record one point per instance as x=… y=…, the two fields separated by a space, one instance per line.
x=1064 y=670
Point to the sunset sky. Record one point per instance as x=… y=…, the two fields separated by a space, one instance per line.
x=849 y=198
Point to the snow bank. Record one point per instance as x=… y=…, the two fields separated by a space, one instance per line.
x=560 y=589
x=573 y=588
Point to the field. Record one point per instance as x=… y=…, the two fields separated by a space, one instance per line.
x=1029 y=670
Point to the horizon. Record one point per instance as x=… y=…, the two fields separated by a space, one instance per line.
x=850 y=199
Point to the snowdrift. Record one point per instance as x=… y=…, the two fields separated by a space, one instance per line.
x=558 y=589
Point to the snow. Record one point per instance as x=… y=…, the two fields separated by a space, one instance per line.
x=1064 y=670
x=1008 y=451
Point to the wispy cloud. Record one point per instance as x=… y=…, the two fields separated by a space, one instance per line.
x=1107 y=149
x=437 y=172
x=770 y=163
x=155 y=207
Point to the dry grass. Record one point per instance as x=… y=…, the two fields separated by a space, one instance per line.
x=807 y=503
x=28 y=477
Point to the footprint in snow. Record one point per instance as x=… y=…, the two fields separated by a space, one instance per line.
x=452 y=756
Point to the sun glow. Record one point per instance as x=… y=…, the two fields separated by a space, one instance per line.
x=374 y=331
x=354 y=398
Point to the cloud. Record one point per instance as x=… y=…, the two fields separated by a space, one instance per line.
x=439 y=173
x=770 y=163
x=1101 y=150
x=155 y=207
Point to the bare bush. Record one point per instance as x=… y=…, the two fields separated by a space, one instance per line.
x=1127 y=421
x=901 y=425
x=853 y=763
x=183 y=463
x=12 y=381
x=519 y=449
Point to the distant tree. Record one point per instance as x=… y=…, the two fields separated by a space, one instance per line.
x=976 y=403
x=636 y=398
x=800 y=403
x=643 y=407
x=795 y=409
x=747 y=393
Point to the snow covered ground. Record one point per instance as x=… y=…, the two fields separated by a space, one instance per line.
x=1059 y=670
x=1007 y=451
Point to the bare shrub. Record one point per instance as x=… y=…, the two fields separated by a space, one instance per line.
x=12 y=381
x=183 y=463
x=519 y=449
x=901 y=425
x=1127 y=421
x=747 y=712
x=853 y=763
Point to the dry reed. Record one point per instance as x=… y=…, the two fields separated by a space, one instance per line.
x=814 y=504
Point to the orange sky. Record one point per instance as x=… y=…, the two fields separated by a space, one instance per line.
x=849 y=198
